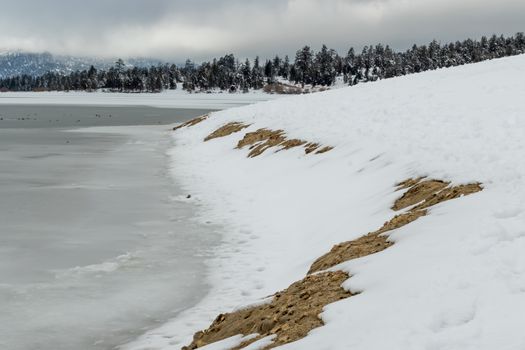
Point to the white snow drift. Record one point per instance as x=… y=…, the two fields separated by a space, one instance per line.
x=455 y=279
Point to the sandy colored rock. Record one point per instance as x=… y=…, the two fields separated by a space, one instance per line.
x=192 y=122
x=418 y=193
x=261 y=135
x=401 y=220
x=260 y=140
x=408 y=183
x=290 y=316
x=226 y=130
x=448 y=194
x=427 y=193
x=324 y=149
x=372 y=243
x=310 y=147
x=291 y=144
x=363 y=246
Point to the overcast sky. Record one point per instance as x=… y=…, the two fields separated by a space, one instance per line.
x=200 y=29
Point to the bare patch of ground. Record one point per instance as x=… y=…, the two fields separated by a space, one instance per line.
x=294 y=312
x=291 y=314
x=291 y=144
x=282 y=88
x=324 y=149
x=226 y=130
x=449 y=193
x=363 y=246
x=263 y=139
x=192 y=122
x=419 y=192
x=373 y=242
x=260 y=140
x=403 y=185
x=310 y=147
x=425 y=194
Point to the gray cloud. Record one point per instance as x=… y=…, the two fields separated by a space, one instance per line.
x=176 y=29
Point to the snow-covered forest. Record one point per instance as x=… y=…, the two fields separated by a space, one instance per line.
x=13 y=63
x=308 y=68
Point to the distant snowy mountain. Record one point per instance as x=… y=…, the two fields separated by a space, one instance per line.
x=16 y=63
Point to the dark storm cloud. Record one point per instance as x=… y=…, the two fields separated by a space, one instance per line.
x=175 y=29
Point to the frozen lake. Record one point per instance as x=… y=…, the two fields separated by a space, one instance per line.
x=96 y=240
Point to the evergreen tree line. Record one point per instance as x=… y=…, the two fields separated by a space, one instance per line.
x=308 y=68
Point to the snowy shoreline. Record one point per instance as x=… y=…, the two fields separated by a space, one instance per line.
x=280 y=211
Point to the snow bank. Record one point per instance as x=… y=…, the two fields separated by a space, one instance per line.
x=455 y=279
x=166 y=99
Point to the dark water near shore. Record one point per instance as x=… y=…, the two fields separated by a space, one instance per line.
x=46 y=116
x=96 y=241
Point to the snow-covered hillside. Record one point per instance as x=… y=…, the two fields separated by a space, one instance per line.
x=453 y=279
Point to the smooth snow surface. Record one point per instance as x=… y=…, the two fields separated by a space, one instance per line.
x=166 y=99
x=454 y=279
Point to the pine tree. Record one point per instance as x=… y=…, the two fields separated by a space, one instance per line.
x=304 y=66
x=269 y=72
x=324 y=67
x=246 y=74
x=257 y=76
x=284 y=70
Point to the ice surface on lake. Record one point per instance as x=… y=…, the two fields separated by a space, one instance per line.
x=96 y=241
x=171 y=98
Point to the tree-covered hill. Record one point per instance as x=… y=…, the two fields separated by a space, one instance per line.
x=308 y=68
